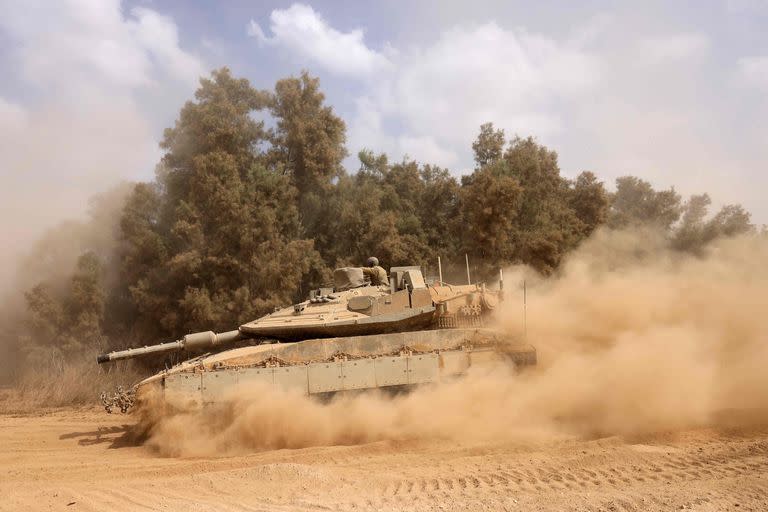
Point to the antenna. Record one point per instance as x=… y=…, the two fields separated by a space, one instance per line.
x=440 y=270
x=501 y=284
x=466 y=258
x=525 y=311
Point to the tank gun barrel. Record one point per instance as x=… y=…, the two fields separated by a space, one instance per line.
x=196 y=341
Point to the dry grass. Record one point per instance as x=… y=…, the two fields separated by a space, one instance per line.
x=76 y=384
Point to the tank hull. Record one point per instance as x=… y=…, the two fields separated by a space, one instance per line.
x=334 y=365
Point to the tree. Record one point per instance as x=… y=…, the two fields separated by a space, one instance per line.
x=695 y=232
x=307 y=142
x=438 y=211
x=731 y=220
x=690 y=234
x=589 y=201
x=375 y=212
x=84 y=306
x=62 y=326
x=489 y=145
x=216 y=240
x=490 y=203
x=635 y=202
x=517 y=208
x=45 y=315
x=219 y=121
x=546 y=226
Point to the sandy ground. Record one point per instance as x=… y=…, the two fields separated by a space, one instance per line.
x=85 y=460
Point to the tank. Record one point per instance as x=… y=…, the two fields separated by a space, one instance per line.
x=351 y=336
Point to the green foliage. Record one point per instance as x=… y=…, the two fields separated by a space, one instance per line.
x=589 y=201
x=438 y=210
x=84 y=306
x=547 y=226
x=695 y=231
x=518 y=208
x=402 y=213
x=64 y=326
x=217 y=238
x=635 y=202
x=307 y=142
x=490 y=204
x=218 y=122
x=489 y=145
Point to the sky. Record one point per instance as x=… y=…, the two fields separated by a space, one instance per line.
x=673 y=92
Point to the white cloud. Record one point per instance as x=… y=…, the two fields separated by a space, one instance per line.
x=441 y=93
x=77 y=45
x=754 y=70
x=437 y=95
x=159 y=38
x=673 y=47
x=254 y=30
x=427 y=149
x=302 y=30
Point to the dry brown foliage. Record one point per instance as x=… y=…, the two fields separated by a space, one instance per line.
x=76 y=384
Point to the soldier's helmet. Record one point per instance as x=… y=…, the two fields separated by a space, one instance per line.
x=372 y=261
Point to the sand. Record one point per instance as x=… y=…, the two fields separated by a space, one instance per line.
x=86 y=460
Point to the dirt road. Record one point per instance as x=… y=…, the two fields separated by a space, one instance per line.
x=85 y=461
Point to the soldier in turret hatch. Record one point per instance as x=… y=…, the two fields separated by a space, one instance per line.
x=376 y=273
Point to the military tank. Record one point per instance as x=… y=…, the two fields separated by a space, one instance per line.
x=351 y=336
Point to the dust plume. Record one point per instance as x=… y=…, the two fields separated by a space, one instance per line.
x=632 y=339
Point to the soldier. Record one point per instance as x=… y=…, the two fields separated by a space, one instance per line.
x=377 y=274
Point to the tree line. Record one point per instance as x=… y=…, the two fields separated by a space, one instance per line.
x=245 y=215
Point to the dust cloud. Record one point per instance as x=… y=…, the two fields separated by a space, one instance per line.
x=632 y=339
x=53 y=159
